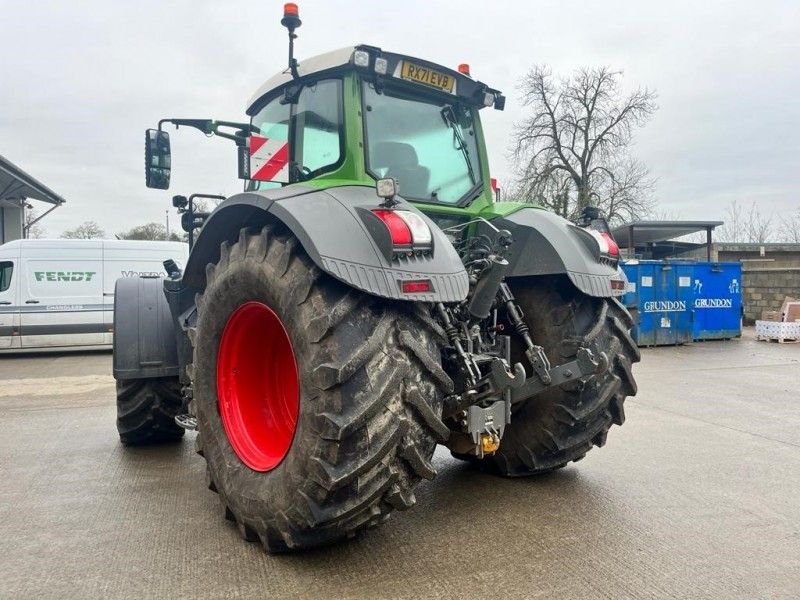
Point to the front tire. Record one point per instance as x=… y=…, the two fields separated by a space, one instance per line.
x=562 y=424
x=364 y=415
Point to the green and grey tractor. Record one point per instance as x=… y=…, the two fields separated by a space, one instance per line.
x=364 y=299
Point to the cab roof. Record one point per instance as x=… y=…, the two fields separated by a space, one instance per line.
x=465 y=86
x=309 y=66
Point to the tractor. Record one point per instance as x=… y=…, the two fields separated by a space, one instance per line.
x=364 y=299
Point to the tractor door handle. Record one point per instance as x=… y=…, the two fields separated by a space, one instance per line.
x=31 y=302
x=4 y=302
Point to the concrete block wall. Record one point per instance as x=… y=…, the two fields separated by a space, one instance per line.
x=765 y=289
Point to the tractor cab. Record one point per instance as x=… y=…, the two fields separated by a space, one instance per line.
x=354 y=116
x=360 y=114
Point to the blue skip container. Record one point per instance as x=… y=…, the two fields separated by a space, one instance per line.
x=717 y=289
x=661 y=299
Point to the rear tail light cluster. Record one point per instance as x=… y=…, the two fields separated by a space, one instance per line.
x=608 y=244
x=408 y=231
x=598 y=229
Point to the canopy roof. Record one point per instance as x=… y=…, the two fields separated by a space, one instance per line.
x=16 y=184
x=644 y=232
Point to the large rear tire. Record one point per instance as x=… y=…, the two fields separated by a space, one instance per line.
x=350 y=387
x=146 y=410
x=561 y=425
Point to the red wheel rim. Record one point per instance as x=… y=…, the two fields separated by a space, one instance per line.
x=257 y=386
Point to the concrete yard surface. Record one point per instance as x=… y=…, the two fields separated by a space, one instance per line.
x=696 y=496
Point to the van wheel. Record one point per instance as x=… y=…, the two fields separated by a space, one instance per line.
x=146 y=410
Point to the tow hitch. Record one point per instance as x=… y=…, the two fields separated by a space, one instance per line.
x=585 y=364
x=485 y=420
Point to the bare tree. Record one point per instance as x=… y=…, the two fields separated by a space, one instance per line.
x=88 y=230
x=33 y=231
x=733 y=229
x=149 y=231
x=759 y=226
x=624 y=192
x=752 y=227
x=572 y=151
x=790 y=227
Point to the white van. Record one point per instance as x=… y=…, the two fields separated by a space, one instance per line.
x=59 y=294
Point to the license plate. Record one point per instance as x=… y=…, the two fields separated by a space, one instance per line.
x=426 y=76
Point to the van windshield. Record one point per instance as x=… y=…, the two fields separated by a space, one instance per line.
x=428 y=147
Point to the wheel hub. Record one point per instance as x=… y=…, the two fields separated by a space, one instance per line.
x=257 y=386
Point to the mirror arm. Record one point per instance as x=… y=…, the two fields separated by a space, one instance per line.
x=239 y=136
x=209 y=127
x=204 y=125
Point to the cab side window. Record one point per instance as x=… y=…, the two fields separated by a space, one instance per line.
x=318 y=128
x=269 y=146
x=6 y=271
x=297 y=142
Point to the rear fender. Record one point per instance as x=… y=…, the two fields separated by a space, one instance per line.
x=329 y=226
x=144 y=333
x=546 y=244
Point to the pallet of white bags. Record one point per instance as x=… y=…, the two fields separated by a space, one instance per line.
x=777 y=331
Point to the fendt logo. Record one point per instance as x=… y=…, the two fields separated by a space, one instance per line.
x=665 y=306
x=64 y=275
x=713 y=303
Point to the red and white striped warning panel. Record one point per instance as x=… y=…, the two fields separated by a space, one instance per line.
x=269 y=159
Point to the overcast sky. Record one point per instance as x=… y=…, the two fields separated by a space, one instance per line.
x=80 y=81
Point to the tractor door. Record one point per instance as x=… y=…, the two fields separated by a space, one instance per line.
x=298 y=141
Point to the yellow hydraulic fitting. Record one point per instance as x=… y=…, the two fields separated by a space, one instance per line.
x=490 y=442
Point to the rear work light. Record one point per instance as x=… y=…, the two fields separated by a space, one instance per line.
x=408 y=231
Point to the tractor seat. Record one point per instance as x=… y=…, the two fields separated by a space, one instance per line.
x=401 y=162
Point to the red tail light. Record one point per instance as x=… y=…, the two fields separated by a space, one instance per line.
x=398 y=230
x=408 y=230
x=617 y=284
x=613 y=248
x=416 y=286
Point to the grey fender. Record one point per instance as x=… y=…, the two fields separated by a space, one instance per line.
x=546 y=244
x=144 y=334
x=338 y=233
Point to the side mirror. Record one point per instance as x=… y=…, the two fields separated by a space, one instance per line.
x=157 y=159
